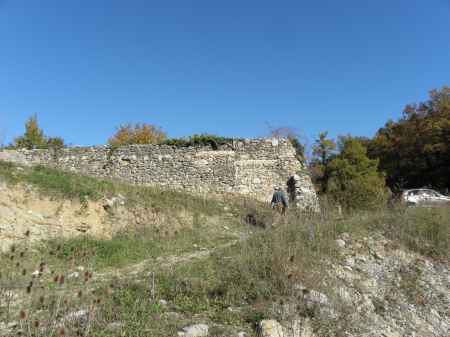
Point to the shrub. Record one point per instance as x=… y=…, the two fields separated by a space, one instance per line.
x=354 y=181
x=199 y=140
x=130 y=134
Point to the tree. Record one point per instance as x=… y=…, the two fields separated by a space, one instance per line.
x=323 y=148
x=323 y=151
x=353 y=179
x=129 y=134
x=415 y=150
x=33 y=138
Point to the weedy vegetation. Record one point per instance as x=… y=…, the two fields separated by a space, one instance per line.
x=139 y=284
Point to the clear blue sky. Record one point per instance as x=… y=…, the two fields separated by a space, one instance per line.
x=223 y=67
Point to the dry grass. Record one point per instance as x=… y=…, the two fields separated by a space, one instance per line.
x=282 y=257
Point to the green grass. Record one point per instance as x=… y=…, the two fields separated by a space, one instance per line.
x=60 y=184
x=250 y=275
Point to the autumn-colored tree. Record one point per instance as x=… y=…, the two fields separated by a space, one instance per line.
x=129 y=134
x=33 y=138
x=415 y=150
x=353 y=179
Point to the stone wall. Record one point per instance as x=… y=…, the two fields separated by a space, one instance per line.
x=249 y=167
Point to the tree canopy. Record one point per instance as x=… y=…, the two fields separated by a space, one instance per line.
x=144 y=133
x=353 y=180
x=415 y=150
x=34 y=137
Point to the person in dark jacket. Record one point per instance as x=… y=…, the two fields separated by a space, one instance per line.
x=279 y=201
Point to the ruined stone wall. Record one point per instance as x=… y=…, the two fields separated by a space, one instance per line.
x=249 y=167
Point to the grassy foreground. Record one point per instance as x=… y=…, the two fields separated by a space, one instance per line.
x=226 y=273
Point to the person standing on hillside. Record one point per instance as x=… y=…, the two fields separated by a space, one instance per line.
x=279 y=200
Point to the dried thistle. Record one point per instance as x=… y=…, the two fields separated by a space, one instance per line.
x=27 y=233
x=23 y=314
x=61 y=332
x=80 y=294
x=22 y=254
x=24 y=272
x=36 y=324
x=56 y=279
x=13 y=249
x=61 y=280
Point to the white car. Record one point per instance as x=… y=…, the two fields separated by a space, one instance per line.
x=424 y=197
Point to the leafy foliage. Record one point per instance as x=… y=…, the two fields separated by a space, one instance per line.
x=199 y=140
x=34 y=137
x=55 y=143
x=323 y=150
x=129 y=134
x=353 y=179
x=415 y=151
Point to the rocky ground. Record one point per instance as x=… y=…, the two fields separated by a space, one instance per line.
x=377 y=290
x=370 y=286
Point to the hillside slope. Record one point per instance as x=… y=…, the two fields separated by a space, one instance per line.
x=96 y=258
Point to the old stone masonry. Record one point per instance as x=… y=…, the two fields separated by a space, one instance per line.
x=248 y=167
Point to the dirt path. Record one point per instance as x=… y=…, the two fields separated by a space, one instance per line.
x=165 y=262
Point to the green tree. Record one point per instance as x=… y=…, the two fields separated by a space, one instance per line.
x=415 y=150
x=323 y=150
x=33 y=138
x=353 y=179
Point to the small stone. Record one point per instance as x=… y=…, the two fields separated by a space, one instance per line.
x=80 y=317
x=270 y=328
x=340 y=243
x=195 y=330
x=75 y=274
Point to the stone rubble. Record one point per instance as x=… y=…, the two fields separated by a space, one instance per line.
x=377 y=291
